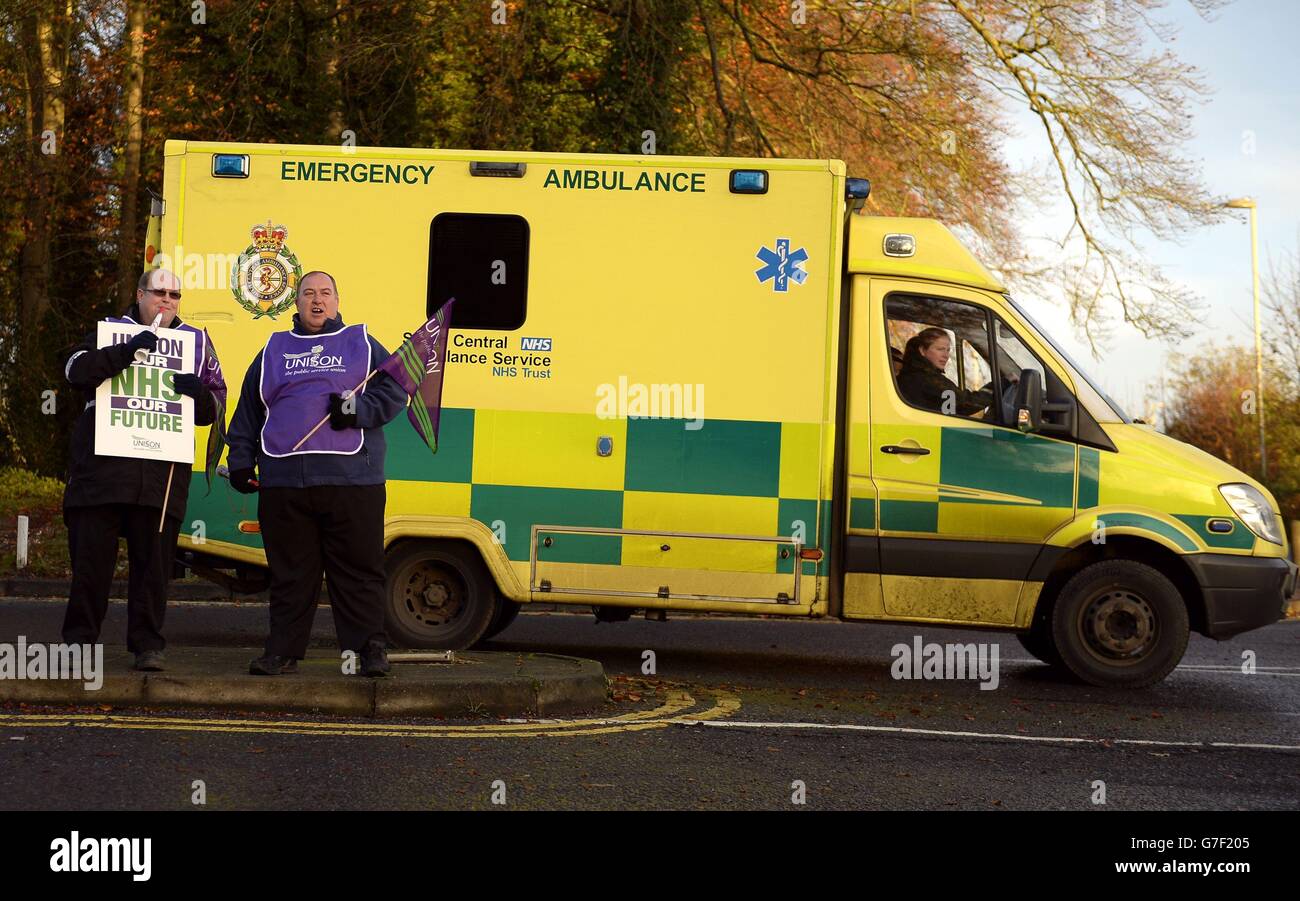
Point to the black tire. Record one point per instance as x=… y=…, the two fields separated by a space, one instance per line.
x=507 y=610
x=440 y=595
x=1039 y=644
x=1038 y=640
x=1120 y=623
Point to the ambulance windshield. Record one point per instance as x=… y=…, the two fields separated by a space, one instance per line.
x=1099 y=404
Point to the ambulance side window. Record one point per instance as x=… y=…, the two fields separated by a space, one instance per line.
x=1013 y=356
x=480 y=259
x=940 y=355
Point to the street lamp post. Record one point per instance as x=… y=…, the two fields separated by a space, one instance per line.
x=1247 y=203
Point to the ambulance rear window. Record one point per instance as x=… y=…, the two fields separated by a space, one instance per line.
x=481 y=259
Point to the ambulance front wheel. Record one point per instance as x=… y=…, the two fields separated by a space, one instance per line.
x=1119 y=623
x=440 y=595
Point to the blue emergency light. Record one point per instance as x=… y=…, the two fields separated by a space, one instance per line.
x=230 y=165
x=748 y=181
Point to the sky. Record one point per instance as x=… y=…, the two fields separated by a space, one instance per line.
x=1249 y=55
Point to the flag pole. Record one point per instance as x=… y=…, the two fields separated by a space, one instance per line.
x=317 y=426
x=166 y=494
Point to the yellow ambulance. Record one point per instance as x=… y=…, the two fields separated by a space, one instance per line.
x=701 y=384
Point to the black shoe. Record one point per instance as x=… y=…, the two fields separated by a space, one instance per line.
x=150 y=661
x=374 y=660
x=273 y=665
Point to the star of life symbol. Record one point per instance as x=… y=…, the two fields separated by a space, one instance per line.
x=782 y=265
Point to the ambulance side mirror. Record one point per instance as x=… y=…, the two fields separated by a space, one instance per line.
x=1029 y=401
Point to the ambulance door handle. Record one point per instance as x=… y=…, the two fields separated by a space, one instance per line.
x=903 y=449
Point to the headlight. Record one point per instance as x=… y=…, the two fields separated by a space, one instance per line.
x=1252 y=508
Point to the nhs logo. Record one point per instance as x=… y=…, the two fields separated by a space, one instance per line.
x=534 y=343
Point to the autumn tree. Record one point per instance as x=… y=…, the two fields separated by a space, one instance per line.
x=1211 y=404
x=1281 y=299
x=914 y=94
x=59 y=92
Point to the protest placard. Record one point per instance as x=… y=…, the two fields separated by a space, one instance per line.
x=139 y=412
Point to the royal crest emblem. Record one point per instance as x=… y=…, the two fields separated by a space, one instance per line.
x=265 y=276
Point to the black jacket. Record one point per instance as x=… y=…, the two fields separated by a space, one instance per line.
x=93 y=479
x=922 y=384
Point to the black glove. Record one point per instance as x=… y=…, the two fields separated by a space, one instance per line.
x=189 y=384
x=340 y=420
x=144 y=341
x=243 y=480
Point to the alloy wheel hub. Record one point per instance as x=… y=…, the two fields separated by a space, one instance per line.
x=1119 y=624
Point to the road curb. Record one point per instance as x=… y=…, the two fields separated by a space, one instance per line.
x=497 y=684
x=18 y=587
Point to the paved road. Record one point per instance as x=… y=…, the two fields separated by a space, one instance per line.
x=738 y=714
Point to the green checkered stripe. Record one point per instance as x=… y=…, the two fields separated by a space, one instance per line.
x=738 y=458
x=999 y=460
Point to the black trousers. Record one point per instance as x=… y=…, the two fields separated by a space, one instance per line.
x=334 y=529
x=92 y=544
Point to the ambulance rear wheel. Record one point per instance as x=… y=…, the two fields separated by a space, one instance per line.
x=440 y=596
x=1120 y=623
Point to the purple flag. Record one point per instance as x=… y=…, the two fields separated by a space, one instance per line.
x=209 y=372
x=418 y=367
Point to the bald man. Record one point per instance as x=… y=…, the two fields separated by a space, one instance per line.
x=107 y=497
x=320 y=500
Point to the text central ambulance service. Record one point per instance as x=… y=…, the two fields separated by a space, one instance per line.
x=701 y=384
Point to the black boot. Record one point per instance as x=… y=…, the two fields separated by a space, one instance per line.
x=374 y=660
x=150 y=661
x=273 y=665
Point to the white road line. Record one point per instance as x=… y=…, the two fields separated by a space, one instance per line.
x=945 y=733
x=1234 y=667
x=1236 y=671
x=1199 y=667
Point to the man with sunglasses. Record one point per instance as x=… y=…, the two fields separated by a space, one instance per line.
x=110 y=496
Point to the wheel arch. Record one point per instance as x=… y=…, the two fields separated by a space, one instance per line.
x=1127 y=546
x=399 y=531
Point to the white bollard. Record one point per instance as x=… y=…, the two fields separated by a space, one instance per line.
x=22 y=543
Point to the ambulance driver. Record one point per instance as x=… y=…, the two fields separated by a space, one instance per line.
x=922 y=382
x=321 y=504
x=110 y=496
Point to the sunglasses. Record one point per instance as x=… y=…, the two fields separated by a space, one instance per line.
x=174 y=295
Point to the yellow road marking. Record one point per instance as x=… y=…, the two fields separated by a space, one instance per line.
x=676 y=702
x=666 y=714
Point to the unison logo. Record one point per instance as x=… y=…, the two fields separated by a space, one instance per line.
x=78 y=662
x=946 y=661
x=103 y=855
x=312 y=359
